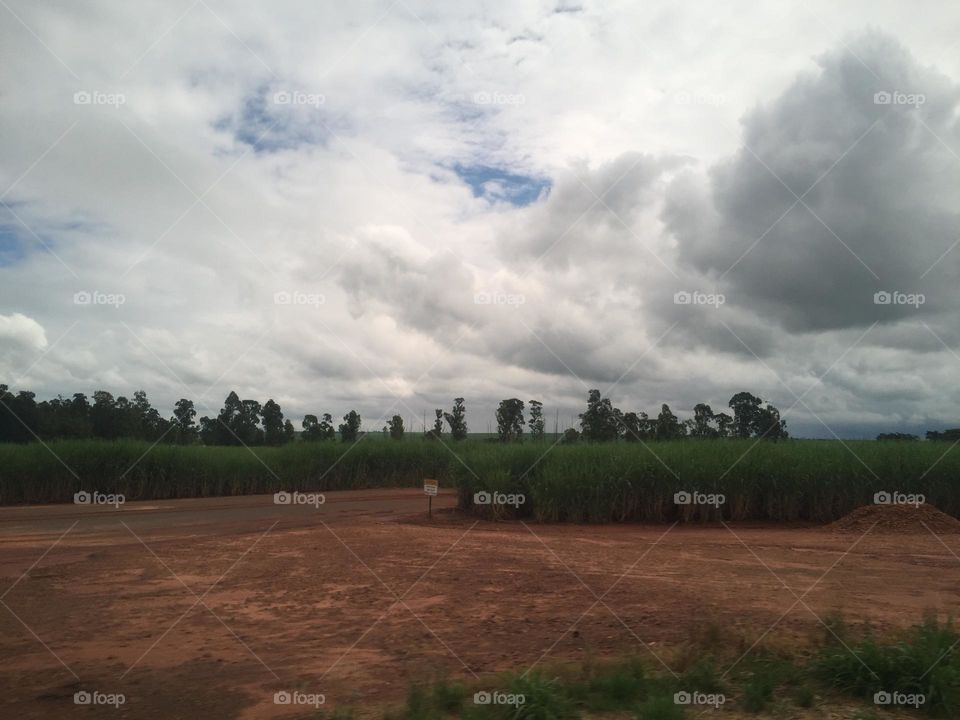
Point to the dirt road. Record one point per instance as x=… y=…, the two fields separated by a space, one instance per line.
x=207 y=608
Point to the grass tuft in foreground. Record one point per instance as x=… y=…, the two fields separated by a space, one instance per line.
x=924 y=661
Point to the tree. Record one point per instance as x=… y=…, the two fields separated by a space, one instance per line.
x=80 y=406
x=746 y=410
x=311 y=428
x=183 y=415
x=510 y=420
x=327 y=431
x=237 y=424
x=769 y=425
x=272 y=423
x=350 y=428
x=395 y=427
x=103 y=416
x=289 y=434
x=457 y=420
x=57 y=420
x=570 y=436
x=437 y=430
x=147 y=422
x=19 y=416
x=536 y=420
x=209 y=430
x=668 y=427
x=724 y=423
x=897 y=437
x=249 y=425
x=128 y=423
x=7 y=420
x=227 y=422
x=751 y=418
x=951 y=435
x=702 y=417
x=142 y=415
x=633 y=426
x=601 y=422
x=25 y=406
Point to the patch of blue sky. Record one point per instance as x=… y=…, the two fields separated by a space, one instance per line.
x=499 y=185
x=273 y=120
x=12 y=247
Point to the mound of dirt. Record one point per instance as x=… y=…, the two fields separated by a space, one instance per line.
x=896 y=520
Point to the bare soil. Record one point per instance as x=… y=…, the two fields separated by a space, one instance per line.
x=206 y=608
x=897 y=520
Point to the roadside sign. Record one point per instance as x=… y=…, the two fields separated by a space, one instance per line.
x=430 y=487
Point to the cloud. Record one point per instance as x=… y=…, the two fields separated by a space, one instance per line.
x=833 y=197
x=590 y=163
x=21 y=340
x=591 y=212
x=22 y=331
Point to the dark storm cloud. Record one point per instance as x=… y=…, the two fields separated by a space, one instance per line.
x=877 y=196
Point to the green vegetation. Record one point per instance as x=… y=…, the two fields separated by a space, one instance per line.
x=612 y=689
x=538 y=696
x=810 y=480
x=39 y=473
x=922 y=662
x=925 y=662
x=816 y=481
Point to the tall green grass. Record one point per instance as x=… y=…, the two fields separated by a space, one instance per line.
x=35 y=473
x=788 y=481
x=926 y=662
x=921 y=660
x=815 y=481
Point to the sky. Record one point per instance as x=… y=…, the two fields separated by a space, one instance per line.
x=385 y=205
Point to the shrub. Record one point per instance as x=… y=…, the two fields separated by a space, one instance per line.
x=926 y=661
x=660 y=707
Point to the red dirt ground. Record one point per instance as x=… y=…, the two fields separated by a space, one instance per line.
x=361 y=597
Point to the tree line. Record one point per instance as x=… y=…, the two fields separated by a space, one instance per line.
x=248 y=422
x=952 y=435
x=240 y=422
x=602 y=422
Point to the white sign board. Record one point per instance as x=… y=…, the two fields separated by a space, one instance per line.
x=430 y=487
